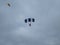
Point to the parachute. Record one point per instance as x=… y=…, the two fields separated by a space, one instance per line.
x=8 y=4
x=29 y=21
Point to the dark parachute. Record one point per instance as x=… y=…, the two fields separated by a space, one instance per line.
x=25 y=20
x=29 y=21
x=8 y=4
x=33 y=20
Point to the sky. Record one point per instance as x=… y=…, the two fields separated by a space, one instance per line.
x=44 y=31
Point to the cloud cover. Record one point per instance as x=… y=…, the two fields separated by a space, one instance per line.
x=45 y=31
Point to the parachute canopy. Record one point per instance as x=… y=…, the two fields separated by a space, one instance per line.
x=29 y=21
x=8 y=4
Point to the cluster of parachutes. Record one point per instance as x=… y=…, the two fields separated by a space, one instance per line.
x=29 y=21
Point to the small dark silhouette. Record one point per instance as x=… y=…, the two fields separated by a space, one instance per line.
x=29 y=21
x=25 y=20
x=8 y=4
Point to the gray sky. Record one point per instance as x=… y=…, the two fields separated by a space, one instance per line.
x=44 y=31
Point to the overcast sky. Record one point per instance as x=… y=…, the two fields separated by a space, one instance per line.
x=44 y=31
